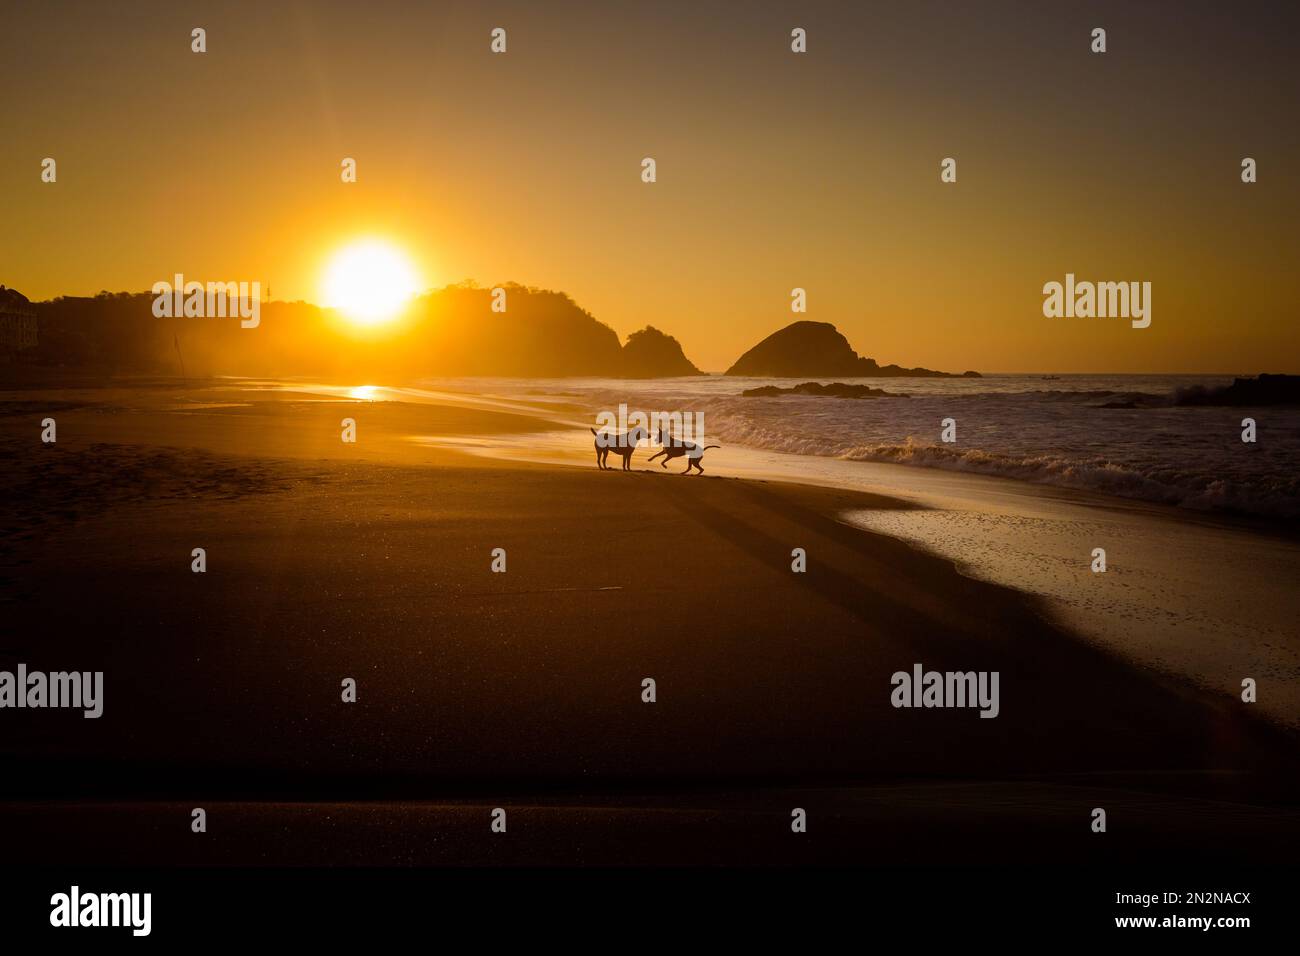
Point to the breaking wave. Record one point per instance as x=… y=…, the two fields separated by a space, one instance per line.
x=1276 y=497
x=1170 y=440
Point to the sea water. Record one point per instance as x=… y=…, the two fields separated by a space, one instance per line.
x=1120 y=435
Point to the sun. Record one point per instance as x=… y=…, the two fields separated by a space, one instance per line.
x=369 y=281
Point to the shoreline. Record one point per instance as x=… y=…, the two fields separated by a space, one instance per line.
x=372 y=561
x=1211 y=617
x=1032 y=537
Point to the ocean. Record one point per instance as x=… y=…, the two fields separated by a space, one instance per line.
x=1120 y=435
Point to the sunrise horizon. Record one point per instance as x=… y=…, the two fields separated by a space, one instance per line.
x=531 y=167
x=377 y=328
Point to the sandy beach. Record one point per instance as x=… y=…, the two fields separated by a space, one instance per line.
x=596 y=471
x=477 y=690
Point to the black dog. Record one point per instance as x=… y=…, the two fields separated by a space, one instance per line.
x=622 y=445
x=672 y=448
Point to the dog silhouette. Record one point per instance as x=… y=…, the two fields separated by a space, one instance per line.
x=675 y=448
x=620 y=444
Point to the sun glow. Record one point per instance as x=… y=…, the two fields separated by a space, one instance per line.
x=369 y=281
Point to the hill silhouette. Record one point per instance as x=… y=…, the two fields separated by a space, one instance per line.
x=447 y=332
x=450 y=332
x=818 y=350
x=11 y=300
x=650 y=353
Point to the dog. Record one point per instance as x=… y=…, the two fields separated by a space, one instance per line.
x=672 y=448
x=622 y=445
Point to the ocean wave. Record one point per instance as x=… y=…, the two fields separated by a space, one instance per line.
x=1273 y=497
x=1187 y=457
x=1096 y=397
x=1093 y=395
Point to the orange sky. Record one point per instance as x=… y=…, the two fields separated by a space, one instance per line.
x=775 y=170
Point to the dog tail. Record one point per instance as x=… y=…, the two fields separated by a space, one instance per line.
x=592 y=430
x=707 y=447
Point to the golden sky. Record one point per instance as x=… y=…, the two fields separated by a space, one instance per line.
x=775 y=170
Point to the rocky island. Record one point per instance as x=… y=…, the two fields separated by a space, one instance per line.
x=833 y=390
x=818 y=349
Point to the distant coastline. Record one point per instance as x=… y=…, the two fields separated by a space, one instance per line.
x=450 y=331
